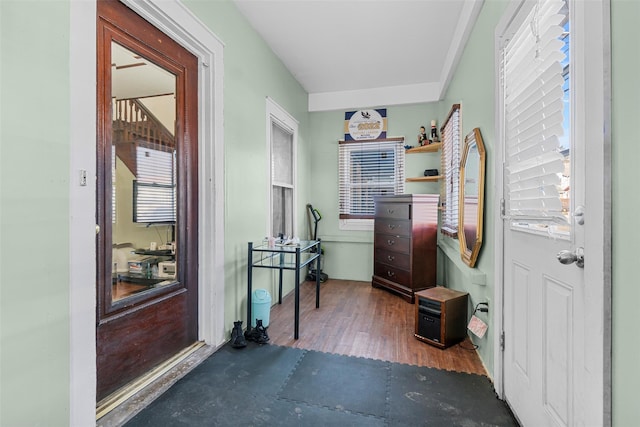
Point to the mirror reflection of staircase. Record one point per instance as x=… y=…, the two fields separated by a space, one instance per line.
x=135 y=125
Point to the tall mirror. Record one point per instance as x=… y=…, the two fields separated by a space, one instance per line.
x=470 y=215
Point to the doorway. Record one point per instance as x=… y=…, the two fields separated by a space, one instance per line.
x=147 y=197
x=175 y=19
x=553 y=357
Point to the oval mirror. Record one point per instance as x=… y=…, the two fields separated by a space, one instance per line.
x=470 y=214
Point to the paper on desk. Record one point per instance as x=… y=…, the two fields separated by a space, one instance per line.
x=290 y=242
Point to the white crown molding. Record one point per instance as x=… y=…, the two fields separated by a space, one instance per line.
x=468 y=18
x=390 y=95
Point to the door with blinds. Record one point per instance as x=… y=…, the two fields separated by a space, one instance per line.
x=551 y=124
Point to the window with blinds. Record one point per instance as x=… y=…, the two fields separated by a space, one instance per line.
x=450 y=156
x=369 y=168
x=535 y=79
x=282 y=182
x=154 y=190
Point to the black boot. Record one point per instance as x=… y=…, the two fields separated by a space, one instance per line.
x=237 y=338
x=260 y=333
x=257 y=334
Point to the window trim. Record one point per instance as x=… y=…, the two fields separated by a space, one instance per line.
x=275 y=114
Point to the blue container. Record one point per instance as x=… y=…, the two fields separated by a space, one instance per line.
x=260 y=307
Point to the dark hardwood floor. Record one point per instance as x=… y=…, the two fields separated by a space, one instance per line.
x=356 y=319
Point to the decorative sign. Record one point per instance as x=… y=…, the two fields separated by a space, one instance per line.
x=365 y=124
x=477 y=326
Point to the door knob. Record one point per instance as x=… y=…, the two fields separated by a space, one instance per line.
x=569 y=257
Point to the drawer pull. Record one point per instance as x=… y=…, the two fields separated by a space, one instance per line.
x=390 y=257
x=390 y=273
x=392 y=226
x=391 y=242
x=390 y=211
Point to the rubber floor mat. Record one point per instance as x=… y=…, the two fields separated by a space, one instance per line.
x=267 y=385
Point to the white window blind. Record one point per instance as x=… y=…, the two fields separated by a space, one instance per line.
x=154 y=190
x=282 y=183
x=451 y=171
x=369 y=168
x=113 y=184
x=532 y=72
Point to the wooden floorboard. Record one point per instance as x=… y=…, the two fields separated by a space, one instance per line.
x=356 y=319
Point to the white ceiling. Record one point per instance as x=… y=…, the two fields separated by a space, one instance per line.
x=365 y=53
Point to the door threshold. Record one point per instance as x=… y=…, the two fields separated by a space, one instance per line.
x=123 y=404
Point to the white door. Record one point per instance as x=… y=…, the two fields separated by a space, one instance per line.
x=554 y=314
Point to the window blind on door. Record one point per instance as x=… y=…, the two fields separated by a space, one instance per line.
x=451 y=171
x=533 y=110
x=369 y=168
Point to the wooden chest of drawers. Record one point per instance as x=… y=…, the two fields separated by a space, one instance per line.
x=405 y=236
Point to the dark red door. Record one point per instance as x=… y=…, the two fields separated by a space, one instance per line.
x=147 y=202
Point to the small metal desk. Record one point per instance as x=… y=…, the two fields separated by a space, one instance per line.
x=284 y=257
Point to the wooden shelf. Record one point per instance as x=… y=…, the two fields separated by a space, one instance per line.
x=431 y=148
x=424 y=179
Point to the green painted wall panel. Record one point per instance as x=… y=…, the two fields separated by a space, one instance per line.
x=625 y=15
x=34 y=219
x=473 y=87
x=251 y=73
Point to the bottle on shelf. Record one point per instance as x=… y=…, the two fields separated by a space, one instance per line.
x=434 y=132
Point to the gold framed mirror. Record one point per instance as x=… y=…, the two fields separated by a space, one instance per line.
x=471 y=204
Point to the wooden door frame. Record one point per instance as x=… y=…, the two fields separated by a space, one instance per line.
x=598 y=162
x=175 y=20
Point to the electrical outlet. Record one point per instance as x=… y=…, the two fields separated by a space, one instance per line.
x=83 y=178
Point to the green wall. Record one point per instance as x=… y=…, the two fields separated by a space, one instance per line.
x=349 y=254
x=34 y=221
x=625 y=15
x=473 y=87
x=251 y=73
